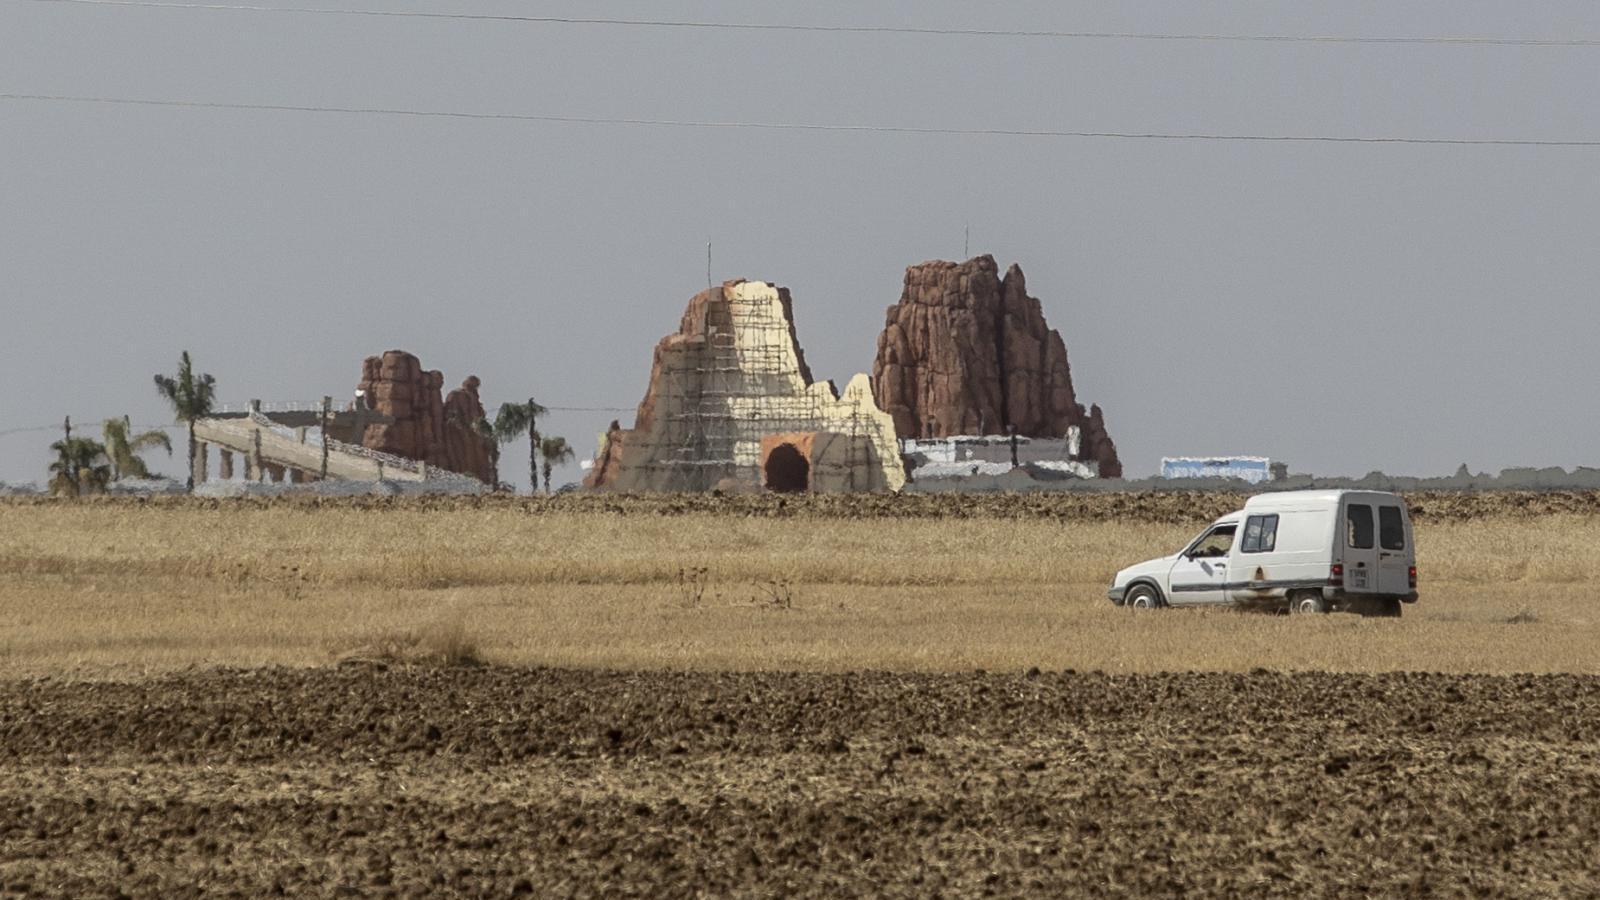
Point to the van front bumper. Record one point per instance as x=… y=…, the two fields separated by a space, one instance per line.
x=1116 y=594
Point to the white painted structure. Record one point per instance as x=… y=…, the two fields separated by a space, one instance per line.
x=959 y=456
x=1251 y=469
x=264 y=446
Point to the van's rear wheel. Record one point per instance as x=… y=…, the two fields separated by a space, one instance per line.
x=1307 y=602
x=1142 y=596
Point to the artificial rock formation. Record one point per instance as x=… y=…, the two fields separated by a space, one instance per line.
x=967 y=352
x=732 y=376
x=441 y=431
x=467 y=449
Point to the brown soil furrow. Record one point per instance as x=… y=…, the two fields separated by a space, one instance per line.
x=493 y=715
x=1170 y=507
x=575 y=783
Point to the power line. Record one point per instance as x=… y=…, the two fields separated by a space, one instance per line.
x=30 y=429
x=853 y=29
x=805 y=126
x=86 y=424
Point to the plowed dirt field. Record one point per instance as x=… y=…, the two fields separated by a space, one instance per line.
x=495 y=781
x=1164 y=507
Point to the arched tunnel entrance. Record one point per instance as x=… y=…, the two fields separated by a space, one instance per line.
x=787 y=470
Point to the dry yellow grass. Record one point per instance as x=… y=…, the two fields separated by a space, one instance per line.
x=124 y=588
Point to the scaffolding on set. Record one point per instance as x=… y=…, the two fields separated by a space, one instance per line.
x=723 y=393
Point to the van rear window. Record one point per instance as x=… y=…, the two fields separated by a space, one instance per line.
x=1260 y=534
x=1358 y=526
x=1391 y=530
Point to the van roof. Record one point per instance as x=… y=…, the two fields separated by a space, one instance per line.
x=1314 y=498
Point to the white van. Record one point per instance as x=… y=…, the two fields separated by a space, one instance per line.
x=1306 y=551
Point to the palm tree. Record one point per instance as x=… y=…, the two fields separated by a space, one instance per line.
x=79 y=466
x=515 y=420
x=191 y=397
x=553 y=451
x=124 y=449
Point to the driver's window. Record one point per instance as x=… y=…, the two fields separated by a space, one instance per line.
x=1216 y=543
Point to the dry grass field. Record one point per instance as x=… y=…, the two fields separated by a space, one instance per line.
x=757 y=697
x=126 y=587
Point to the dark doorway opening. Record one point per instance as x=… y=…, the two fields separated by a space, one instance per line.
x=787 y=470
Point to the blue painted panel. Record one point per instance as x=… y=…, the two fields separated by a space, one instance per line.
x=1254 y=469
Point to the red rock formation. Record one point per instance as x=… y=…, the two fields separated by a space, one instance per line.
x=1098 y=446
x=440 y=432
x=608 y=463
x=968 y=352
x=467 y=449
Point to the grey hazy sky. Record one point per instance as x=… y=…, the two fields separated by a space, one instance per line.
x=1343 y=307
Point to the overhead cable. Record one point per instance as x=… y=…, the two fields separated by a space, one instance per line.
x=85 y=425
x=851 y=29
x=804 y=126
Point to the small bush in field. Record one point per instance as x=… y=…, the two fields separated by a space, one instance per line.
x=444 y=642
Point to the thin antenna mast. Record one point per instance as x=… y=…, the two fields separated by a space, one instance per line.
x=966 y=247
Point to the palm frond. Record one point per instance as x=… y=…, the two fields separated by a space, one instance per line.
x=123 y=451
x=192 y=396
x=152 y=438
x=204 y=396
x=512 y=421
x=78 y=458
x=115 y=431
x=555 y=450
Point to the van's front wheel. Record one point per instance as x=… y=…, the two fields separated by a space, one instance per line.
x=1142 y=596
x=1307 y=602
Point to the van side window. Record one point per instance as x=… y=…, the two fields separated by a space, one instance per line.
x=1391 y=530
x=1358 y=526
x=1260 y=534
x=1214 y=545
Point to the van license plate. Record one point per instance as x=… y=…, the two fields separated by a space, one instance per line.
x=1358 y=579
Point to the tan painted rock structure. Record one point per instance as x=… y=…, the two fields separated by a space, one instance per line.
x=440 y=431
x=732 y=376
x=967 y=352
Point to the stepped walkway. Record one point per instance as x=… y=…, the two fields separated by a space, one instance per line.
x=278 y=451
